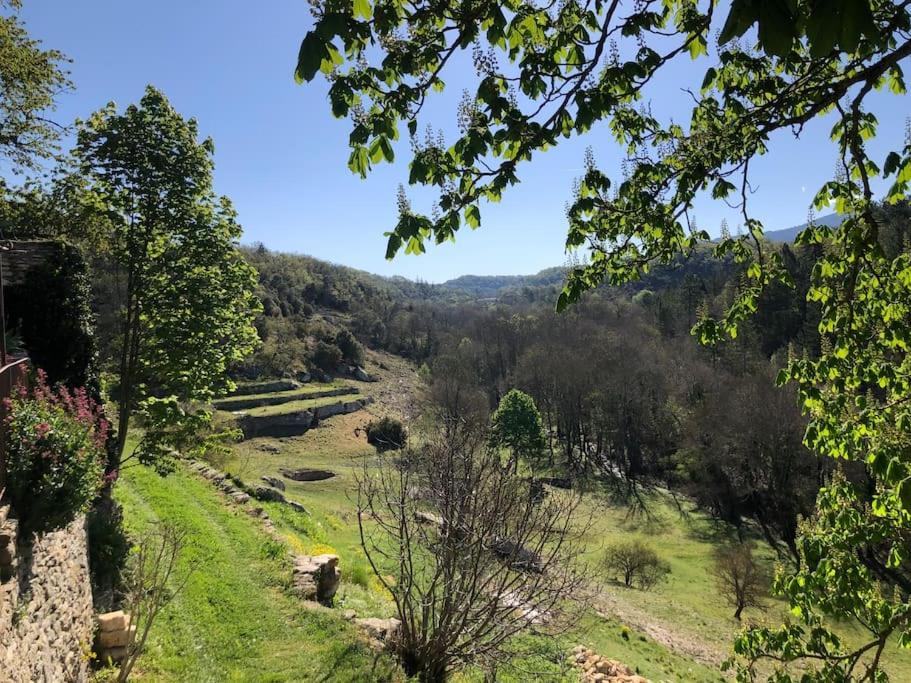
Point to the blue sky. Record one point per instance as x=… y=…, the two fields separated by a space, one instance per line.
x=281 y=157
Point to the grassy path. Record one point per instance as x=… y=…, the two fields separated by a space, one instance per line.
x=234 y=621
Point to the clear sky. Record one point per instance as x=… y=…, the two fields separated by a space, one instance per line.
x=282 y=158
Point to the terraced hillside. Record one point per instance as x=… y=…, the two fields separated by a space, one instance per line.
x=289 y=412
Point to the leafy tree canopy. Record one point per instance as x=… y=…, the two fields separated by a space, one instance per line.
x=30 y=79
x=548 y=72
x=188 y=303
x=516 y=424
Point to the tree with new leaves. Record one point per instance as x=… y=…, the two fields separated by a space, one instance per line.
x=548 y=73
x=31 y=79
x=186 y=302
x=516 y=425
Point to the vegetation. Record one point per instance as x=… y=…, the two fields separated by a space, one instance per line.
x=740 y=578
x=635 y=563
x=806 y=60
x=386 y=434
x=516 y=425
x=475 y=560
x=169 y=236
x=32 y=78
x=55 y=452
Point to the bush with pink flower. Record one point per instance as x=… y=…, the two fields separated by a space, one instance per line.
x=55 y=453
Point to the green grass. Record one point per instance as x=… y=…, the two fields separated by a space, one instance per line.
x=235 y=620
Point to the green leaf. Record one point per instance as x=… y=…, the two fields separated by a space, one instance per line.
x=473 y=216
x=362 y=9
x=309 y=57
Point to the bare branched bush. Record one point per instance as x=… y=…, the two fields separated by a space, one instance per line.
x=468 y=555
x=154 y=577
x=635 y=563
x=741 y=579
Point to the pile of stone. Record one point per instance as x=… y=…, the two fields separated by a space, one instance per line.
x=316 y=577
x=8 y=530
x=597 y=668
x=221 y=480
x=115 y=634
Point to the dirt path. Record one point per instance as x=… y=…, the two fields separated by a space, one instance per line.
x=608 y=605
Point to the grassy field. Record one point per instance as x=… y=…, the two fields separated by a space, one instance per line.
x=237 y=621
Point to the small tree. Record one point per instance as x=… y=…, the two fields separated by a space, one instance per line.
x=486 y=564
x=327 y=356
x=350 y=347
x=635 y=563
x=741 y=580
x=517 y=425
x=386 y=434
x=156 y=574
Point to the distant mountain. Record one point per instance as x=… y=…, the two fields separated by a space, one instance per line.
x=790 y=234
x=489 y=286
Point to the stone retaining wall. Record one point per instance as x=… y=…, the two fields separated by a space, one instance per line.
x=296 y=423
x=245 y=403
x=46 y=621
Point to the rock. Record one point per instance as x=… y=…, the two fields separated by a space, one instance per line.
x=360 y=374
x=113 y=621
x=268 y=494
x=240 y=497
x=381 y=631
x=294 y=505
x=268 y=448
x=303 y=377
x=428 y=518
x=304 y=474
x=349 y=614
x=316 y=577
x=113 y=639
x=274 y=482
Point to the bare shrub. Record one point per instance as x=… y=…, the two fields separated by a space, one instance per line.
x=152 y=580
x=741 y=580
x=473 y=560
x=635 y=563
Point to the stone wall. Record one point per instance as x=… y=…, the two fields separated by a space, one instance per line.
x=46 y=621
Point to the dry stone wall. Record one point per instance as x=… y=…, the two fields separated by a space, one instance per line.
x=46 y=621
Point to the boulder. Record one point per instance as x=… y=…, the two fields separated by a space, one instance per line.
x=360 y=374
x=305 y=474
x=316 y=577
x=274 y=482
x=268 y=494
x=294 y=505
x=382 y=632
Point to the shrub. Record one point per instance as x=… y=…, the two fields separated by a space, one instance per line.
x=327 y=356
x=635 y=563
x=386 y=434
x=350 y=347
x=55 y=454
